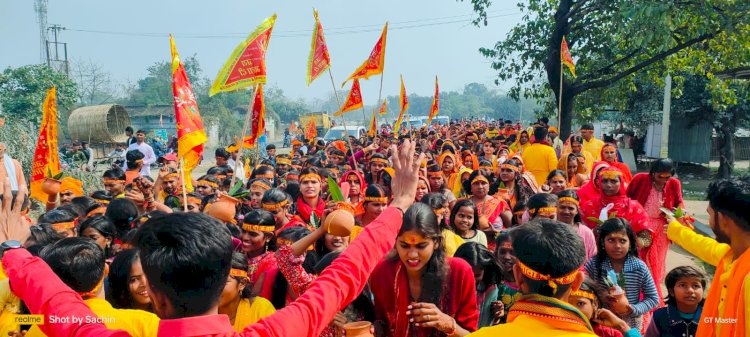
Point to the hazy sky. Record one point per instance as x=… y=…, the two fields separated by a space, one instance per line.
x=425 y=38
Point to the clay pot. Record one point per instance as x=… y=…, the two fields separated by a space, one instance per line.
x=339 y=223
x=358 y=329
x=224 y=209
x=51 y=186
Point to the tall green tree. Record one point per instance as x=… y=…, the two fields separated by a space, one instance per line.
x=611 y=40
x=23 y=89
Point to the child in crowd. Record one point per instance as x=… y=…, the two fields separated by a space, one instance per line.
x=508 y=290
x=487 y=275
x=465 y=222
x=588 y=302
x=623 y=279
x=682 y=314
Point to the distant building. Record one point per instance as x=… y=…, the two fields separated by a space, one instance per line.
x=153 y=119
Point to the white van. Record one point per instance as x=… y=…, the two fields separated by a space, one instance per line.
x=337 y=132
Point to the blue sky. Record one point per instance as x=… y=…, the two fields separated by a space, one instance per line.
x=426 y=38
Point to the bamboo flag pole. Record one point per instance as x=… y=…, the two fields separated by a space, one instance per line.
x=249 y=114
x=184 y=189
x=343 y=120
x=559 y=98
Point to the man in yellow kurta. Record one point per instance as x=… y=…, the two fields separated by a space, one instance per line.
x=590 y=143
x=549 y=255
x=726 y=311
x=540 y=158
x=90 y=287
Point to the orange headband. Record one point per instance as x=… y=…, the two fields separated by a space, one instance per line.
x=118 y=181
x=261 y=185
x=194 y=200
x=582 y=293
x=377 y=199
x=237 y=273
x=379 y=160
x=102 y=201
x=310 y=176
x=172 y=175
x=479 y=178
x=273 y=207
x=63 y=225
x=98 y=210
x=287 y=242
x=206 y=183
x=268 y=176
x=292 y=177
x=258 y=228
x=611 y=174
x=283 y=161
x=435 y=174
x=510 y=167
x=568 y=199
x=552 y=282
x=486 y=167
x=92 y=293
x=139 y=161
x=546 y=211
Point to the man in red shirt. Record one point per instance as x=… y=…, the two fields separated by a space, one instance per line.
x=186 y=258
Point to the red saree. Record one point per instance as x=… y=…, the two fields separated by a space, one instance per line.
x=624 y=207
x=390 y=286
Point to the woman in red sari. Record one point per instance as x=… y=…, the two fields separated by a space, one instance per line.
x=612 y=192
x=357 y=187
x=590 y=190
x=309 y=201
x=419 y=291
x=656 y=189
x=609 y=155
x=494 y=213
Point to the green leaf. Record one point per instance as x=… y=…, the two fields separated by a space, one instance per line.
x=58 y=176
x=594 y=219
x=314 y=221
x=235 y=189
x=334 y=190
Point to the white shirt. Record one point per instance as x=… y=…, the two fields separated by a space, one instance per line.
x=148 y=159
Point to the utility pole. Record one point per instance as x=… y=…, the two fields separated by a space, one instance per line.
x=664 y=149
x=53 y=56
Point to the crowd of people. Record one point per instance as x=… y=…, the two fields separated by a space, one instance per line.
x=472 y=228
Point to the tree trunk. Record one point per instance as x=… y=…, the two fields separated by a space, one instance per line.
x=553 y=68
x=725 y=137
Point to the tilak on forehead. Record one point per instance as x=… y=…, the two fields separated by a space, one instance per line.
x=413 y=239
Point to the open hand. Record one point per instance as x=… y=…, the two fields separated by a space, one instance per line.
x=429 y=316
x=406 y=174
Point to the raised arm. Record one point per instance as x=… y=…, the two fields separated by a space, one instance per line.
x=344 y=279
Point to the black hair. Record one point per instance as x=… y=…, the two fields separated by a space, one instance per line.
x=435 y=168
x=540 y=200
x=132 y=157
x=292 y=188
x=122 y=212
x=478 y=256
x=554 y=173
x=732 y=198
x=587 y=127
x=540 y=133
x=521 y=190
x=263 y=218
x=129 y=129
x=102 y=225
x=141 y=131
x=608 y=227
x=420 y=218
x=118 y=292
x=571 y=194
x=263 y=170
x=436 y=200
x=239 y=261
x=362 y=303
x=551 y=248
x=221 y=152
x=78 y=262
x=58 y=215
x=186 y=257
x=281 y=285
x=42 y=235
x=114 y=173
x=662 y=165
x=466 y=185
x=101 y=195
x=275 y=195
x=465 y=203
x=313 y=162
x=84 y=205
x=676 y=274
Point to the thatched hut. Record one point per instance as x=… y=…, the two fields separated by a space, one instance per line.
x=99 y=124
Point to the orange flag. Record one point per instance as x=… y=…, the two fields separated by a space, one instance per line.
x=354 y=101
x=258 y=126
x=292 y=128
x=319 y=60
x=375 y=63
x=566 y=58
x=435 y=108
x=373 y=126
x=383 y=109
x=247 y=64
x=404 y=100
x=310 y=130
x=190 y=132
x=46 y=160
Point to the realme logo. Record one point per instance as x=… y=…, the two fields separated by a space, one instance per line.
x=28 y=319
